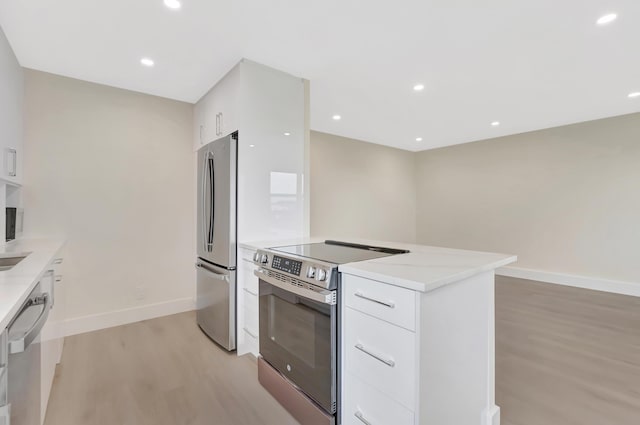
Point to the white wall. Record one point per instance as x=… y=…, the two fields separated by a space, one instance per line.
x=113 y=172
x=361 y=190
x=565 y=199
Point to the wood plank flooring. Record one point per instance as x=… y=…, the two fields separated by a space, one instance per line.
x=566 y=356
x=158 y=372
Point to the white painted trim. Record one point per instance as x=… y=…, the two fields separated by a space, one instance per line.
x=96 y=322
x=585 y=282
x=492 y=416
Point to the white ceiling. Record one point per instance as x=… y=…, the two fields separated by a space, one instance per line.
x=529 y=65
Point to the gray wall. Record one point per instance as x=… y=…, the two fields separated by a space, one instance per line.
x=362 y=190
x=113 y=172
x=565 y=199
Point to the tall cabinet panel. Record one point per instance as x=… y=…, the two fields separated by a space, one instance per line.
x=267 y=108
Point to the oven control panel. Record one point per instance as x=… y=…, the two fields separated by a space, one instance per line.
x=286 y=265
x=313 y=272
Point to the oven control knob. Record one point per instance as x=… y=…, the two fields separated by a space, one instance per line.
x=264 y=259
x=322 y=275
x=256 y=257
x=311 y=272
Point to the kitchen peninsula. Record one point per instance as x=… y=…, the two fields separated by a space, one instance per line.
x=416 y=333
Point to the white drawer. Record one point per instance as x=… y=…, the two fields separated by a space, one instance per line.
x=381 y=355
x=250 y=300
x=366 y=405
x=251 y=335
x=387 y=302
x=247 y=253
x=251 y=320
x=249 y=280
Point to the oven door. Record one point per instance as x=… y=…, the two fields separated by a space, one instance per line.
x=298 y=337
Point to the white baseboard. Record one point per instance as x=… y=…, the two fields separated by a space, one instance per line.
x=585 y=282
x=96 y=322
x=492 y=416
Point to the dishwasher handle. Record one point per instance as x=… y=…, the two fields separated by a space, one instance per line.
x=21 y=344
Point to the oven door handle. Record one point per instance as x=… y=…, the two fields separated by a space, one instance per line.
x=321 y=295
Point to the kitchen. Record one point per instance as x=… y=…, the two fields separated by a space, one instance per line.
x=113 y=171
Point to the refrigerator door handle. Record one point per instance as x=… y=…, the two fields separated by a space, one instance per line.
x=211 y=273
x=212 y=189
x=204 y=200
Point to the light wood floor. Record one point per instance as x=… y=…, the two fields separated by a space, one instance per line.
x=566 y=356
x=158 y=372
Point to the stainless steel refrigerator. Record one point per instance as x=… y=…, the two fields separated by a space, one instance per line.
x=216 y=235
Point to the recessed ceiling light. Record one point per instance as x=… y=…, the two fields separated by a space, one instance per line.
x=252 y=146
x=173 y=4
x=337 y=117
x=607 y=19
x=287 y=134
x=147 y=62
x=418 y=87
x=495 y=123
x=634 y=94
x=418 y=139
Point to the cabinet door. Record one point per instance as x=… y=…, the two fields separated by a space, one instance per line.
x=199 y=124
x=226 y=101
x=248 y=324
x=12 y=164
x=51 y=338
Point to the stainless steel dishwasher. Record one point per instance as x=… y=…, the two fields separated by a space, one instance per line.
x=20 y=361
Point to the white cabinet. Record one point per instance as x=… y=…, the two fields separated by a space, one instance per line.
x=248 y=322
x=12 y=164
x=418 y=358
x=216 y=114
x=269 y=110
x=11 y=114
x=51 y=337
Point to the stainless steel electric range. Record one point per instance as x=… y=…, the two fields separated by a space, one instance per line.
x=299 y=324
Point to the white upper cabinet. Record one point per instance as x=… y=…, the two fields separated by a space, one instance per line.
x=11 y=114
x=268 y=109
x=216 y=114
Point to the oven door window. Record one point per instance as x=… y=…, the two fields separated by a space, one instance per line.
x=298 y=338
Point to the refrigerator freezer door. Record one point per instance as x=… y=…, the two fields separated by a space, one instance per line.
x=217 y=202
x=216 y=303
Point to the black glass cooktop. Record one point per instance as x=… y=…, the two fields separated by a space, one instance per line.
x=338 y=252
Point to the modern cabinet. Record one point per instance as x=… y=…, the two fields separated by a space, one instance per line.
x=418 y=358
x=216 y=114
x=269 y=110
x=248 y=323
x=52 y=336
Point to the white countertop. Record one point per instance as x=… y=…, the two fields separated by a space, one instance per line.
x=16 y=284
x=424 y=269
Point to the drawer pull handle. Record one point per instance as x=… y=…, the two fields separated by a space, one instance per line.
x=57 y=261
x=388 y=362
x=361 y=418
x=255 y=294
x=251 y=334
x=389 y=304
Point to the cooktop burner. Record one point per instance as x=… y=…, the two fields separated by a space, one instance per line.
x=338 y=252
